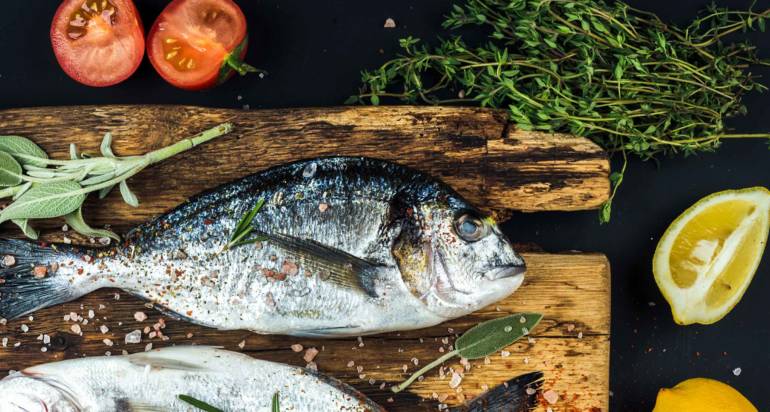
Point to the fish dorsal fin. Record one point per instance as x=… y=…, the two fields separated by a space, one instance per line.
x=335 y=266
x=182 y=358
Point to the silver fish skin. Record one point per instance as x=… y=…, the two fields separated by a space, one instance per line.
x=152 y=381
x=352 y=246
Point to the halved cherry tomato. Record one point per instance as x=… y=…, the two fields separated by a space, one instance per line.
x=98 y=42
x=197 y=44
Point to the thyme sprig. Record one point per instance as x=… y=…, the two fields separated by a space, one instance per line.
x=615 y=74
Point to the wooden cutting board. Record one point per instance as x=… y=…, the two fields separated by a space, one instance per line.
x=494 y=165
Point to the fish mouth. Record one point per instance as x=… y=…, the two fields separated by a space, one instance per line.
x=505 y=272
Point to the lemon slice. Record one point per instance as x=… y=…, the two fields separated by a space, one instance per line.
x=707 y=257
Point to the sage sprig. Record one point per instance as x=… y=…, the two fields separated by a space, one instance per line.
x=198 y=403
x=43 y=188
x=244 y=228
x=482 y=340
x=620 y=76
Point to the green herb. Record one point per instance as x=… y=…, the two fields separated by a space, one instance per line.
x=43 y=188
x=198 y=404
x=615 y=74
x=276 y=406
x=244 y=228
x=483 y=340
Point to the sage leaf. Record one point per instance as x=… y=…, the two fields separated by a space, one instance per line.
x=488 y=337
x=128 y=196
x=105 y=191
x=43 y=201
x=18 y=146
x=10 y=171
x=198 y=404
x=77 y=223
x=482 y=340
x=106 y=146
x=22 y=189
x=28 y=230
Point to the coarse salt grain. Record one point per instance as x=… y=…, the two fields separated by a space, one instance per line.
x=530 y=391
x=312 y=366
x=737 y=371
x=91 y=314
x=104 y=329
x=455 y=381
x=296 y=347
x=508 y=328
x=580 y=335
x=415 y=361
x=9 y=260
x=242 y=344
x=5 y=342
x=351 y=364
x=43 y=349
x=487 y=361
x=134 y=337
x=140 y=316
x=389 y=23
x=107 y=342
x=24 y=328
x=522 y=320
x=404 y=368
x=310 y=354
x=505 y=354
x=359 y=368
x=148 y=347
x=551 y=396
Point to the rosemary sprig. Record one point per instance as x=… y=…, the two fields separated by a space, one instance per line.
x=244 y=228
x=276 y=407
x=43 y=188
x=607 y=71
x=198 y=404
x=482 y=340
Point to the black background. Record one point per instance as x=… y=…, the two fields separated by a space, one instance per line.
x=314 y=50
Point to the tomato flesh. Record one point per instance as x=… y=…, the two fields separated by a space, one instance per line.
x=98 y=42
x=192 y=40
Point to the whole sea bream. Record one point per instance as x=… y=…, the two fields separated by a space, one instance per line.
x=152 y=382
x=347 y=246
x=231 y=382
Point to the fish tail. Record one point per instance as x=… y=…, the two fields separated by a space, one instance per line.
x=516 y=395
x=28 y=279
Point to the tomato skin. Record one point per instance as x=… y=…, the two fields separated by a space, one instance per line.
x=170 y=24
x=72 y=64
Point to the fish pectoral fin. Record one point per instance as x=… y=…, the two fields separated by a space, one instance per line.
x=332 y=265
x=338 y=331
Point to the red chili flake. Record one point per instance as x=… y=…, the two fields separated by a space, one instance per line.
x=409 y=211
x=207 y=221
x=279 y=276
x=189 y=313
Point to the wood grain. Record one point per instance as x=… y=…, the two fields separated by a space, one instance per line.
x=494 y=166
x=491 y=163
x=571 y=345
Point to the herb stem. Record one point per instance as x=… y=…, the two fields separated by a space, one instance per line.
x=403 y=385
x=187 y=144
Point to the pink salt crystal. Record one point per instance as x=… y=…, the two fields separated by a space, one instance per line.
x=310 y=354
x=312 y=366
x=323 y=207
x=551 y=396
x=351 y=364
x=140 y=316
x=389 y=23
x=9 y=261
x=296 y=347
x=76 y=329
x=40 y=272
x=289 y=268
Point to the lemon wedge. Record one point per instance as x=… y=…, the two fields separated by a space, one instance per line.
x=707 y=257
x=702 y=395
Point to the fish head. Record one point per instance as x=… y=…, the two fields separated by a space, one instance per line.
x=21 y=392
x=455 y=259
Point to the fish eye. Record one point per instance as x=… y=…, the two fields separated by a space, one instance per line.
x=470 y=228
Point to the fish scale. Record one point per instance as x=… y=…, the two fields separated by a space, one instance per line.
x=353 y=246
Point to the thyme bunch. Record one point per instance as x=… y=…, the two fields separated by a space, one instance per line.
x=620 y=76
